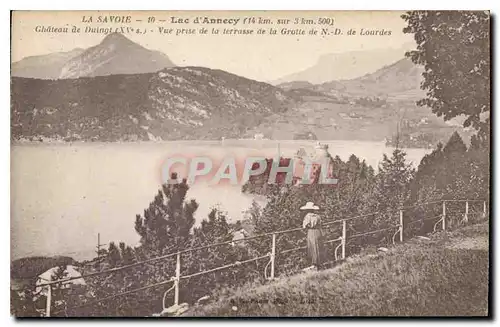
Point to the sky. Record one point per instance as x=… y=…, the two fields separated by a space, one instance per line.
x=261 y=57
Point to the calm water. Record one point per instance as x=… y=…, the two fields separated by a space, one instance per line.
x=62 y=195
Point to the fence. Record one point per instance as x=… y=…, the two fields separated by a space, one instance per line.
x=270 y=268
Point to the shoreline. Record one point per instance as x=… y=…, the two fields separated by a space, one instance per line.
x=223 y=143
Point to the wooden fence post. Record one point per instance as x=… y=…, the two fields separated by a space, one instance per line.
x=344 y=236
x=177 y=278
x=401 y=226
x=444 y=215
x=49 y=300
x=273 y=256
x=466 y=217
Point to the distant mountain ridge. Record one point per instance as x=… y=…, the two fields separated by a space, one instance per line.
x=401 y=78
x=45 y=66
x=174 y=103
x=346 y=65
x=115 y=54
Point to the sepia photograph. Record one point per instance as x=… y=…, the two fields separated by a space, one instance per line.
x=180 y=164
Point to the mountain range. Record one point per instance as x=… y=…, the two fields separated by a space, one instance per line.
x=346 y=65
x=372 y=107
x=116 y=54
x=120 y=91
x=399 y=79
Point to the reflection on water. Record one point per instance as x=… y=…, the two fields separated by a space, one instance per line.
x=62 y=195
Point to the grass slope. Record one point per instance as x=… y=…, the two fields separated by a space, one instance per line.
x=444 y=276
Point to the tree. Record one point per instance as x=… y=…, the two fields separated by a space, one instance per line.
x=58 y=290
x=427 y=173
x=449 y=172
x=454 y=48
x=392 y=181
x=127 y=254
x=213 y=230
x=455 y=145
x=252 y=214
x=114 y=257
x=391 y=191
x=445 y=173
x=167 y=222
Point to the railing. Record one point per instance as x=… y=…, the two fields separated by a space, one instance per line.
x=271 y=255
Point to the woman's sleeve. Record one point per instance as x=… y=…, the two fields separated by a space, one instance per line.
x=306 y=221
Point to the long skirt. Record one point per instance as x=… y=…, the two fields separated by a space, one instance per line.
x=314 y=246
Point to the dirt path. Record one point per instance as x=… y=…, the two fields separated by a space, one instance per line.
x=471 y=243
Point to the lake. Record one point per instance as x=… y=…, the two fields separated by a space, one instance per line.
x=63 y=195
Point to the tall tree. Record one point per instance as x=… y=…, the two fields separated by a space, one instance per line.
x=454 y=48
x=393 y=180
x=167 y=222
x=391 y=191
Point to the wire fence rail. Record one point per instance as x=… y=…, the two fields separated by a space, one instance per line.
x=270 y=268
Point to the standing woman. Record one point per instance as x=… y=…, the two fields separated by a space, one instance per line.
x=312 y=222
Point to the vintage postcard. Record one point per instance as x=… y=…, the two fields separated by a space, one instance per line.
x=250 y=163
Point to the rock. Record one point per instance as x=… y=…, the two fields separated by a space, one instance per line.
x=311 y=268
x=182 y=309
x=234 y=308
x=382 y=249
x=170 y=310
x=203 y=299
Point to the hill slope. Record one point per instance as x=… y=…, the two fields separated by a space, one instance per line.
x=402 y=76
x=446 y=276
x=45 y=67
x=175 y=103
x=31 y=267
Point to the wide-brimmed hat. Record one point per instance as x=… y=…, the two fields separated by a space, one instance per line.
x=309 y=206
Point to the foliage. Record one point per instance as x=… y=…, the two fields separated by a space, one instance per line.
x=30 y=267
x=22 y=303
x=166 y=224
x=371 y=102
x=214 y=230
x=452 y=172
x=454 y=48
